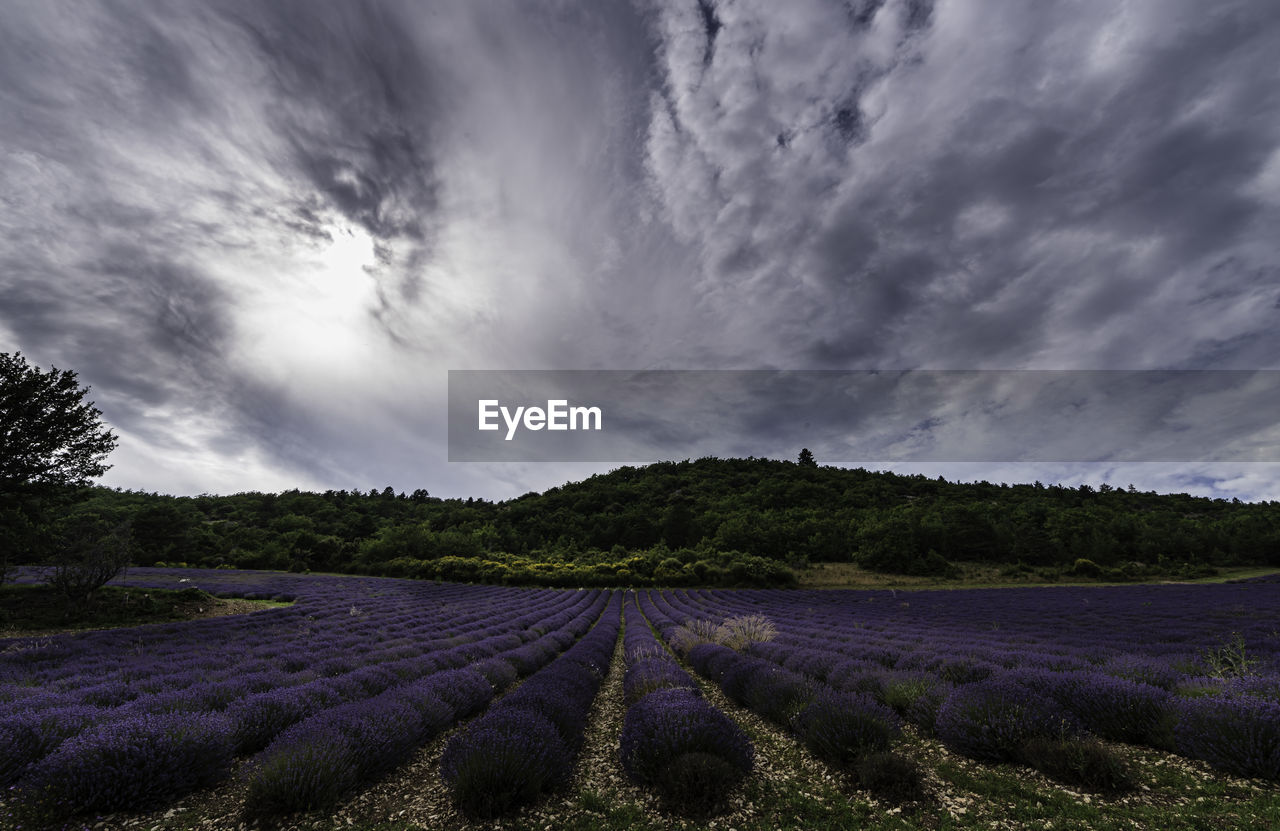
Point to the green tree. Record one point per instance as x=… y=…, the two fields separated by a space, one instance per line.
x=49 y=435
x=51 y=439
x=90 y=551
x=806 y=458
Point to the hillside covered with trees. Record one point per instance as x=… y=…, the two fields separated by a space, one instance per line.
x=711 y=521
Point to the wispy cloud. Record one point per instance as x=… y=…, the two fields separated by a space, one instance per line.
x=263 y=232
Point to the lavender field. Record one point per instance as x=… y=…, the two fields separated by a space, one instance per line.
x=406 y=704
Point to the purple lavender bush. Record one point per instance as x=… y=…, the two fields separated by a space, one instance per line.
x=691 y=753
x=505 y=760
x=1238 y=734
x=991 y=720
x=259 y=718
x=1082 y=762
x=916 y=696
x=466 y=690
x=562 y=696
x=710 y=660
x=778 y=694
x=649 y=674
x=315 y=761
x=858 y=676
x=28 y=737
x=133 y=763
x=843 y=727
x=1111 y=707
x=309 y=766
x=498 y=672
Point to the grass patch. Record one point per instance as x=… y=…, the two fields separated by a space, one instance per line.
x=39 y=609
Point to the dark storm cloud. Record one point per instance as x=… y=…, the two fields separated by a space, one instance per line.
x=354 y=97
x=1037 y=184
x=263 y=231
x=149 y=146
x=711 y=25
x=136 y=328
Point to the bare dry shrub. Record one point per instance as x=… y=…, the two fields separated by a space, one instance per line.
x=737 y=632
x=694 y=632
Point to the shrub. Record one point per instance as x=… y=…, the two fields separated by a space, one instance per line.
x=308 y=767
x=107 y=694
x=843 y=727
x=1230 y=658
x=562 y=699
x=779 y=654
x=312 y=763
x=505 y=760
x=739 y=674
x=259 y=718
x=127 y=764
x=738 y=632
x=1115 y=708
x=666 y=726
x=1198 y=686
x=1255 y=686
x=817 y=664
x=384 y=730
x=1237 y=734
x=890 y=776
x=710 y=660
x=372 y=680
x=916 y=696
x=194 y=699
x=1083 y=763
x=531 y=657
x=498 y=672
x=858 y=676
x=961 y=669
x=29 y=737
x=434 y=713
x=649 y=674
x=1144 y=670
x=694 y=633
x=777 y=694
x=1085 y=568
x=991 y=720
x=697 y=784
x=466 y=690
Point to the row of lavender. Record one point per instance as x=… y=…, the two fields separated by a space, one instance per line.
x=1193 y=669
x=847 y=728
x=673 y=741
x=316 y=761
x=331 y=690
x=527 y=743
x=251 y=585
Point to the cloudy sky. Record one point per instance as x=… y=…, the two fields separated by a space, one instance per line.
x=264 y=232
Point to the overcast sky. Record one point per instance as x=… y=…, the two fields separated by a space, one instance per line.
x=263 y=232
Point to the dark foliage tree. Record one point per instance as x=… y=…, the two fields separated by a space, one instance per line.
x=718 y=522
x=51 y=440
x=49 y=435
x=806 y=458
x=89 y=551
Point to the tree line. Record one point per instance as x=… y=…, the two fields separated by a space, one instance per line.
x=708 y=522
x=725 y=522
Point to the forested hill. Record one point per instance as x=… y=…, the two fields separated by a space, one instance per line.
x=710 y=521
